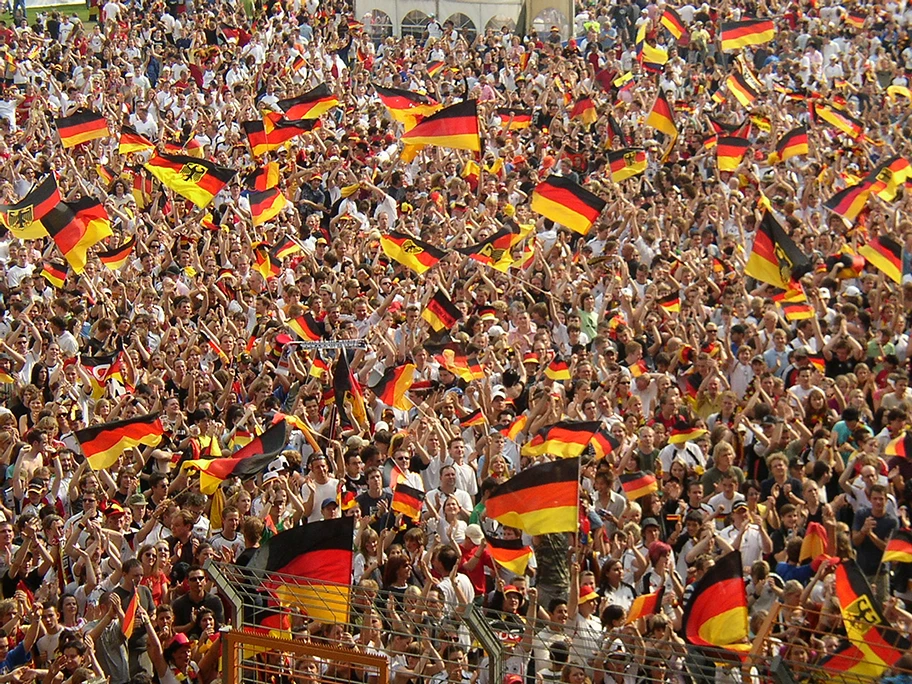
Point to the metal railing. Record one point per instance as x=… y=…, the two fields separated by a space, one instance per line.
x=412 y=629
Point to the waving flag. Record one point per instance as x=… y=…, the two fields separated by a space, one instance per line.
x=197 y=180
x=248 y=461
x=509 y=553
x=131 y=141
x=739 y=34
x=410 y=252
x=23 y=219
x=543 y=499
x=671 y=20
x=774 y=257
x=885 y=253
x=455 y=127
x=716 y=614
x=310 y=105
x=103 y=443
x=81 y=127
x=567 y=439
x=567 y=203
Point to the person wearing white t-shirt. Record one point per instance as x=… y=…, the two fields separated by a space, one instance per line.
x=318 y=486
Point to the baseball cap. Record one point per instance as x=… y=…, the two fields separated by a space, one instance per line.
x=511 y=589
x=474 y=533
x=329 y=502
x=649 y=522
x=137 y=500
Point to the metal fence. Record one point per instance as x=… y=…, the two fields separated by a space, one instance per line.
x=360 y=630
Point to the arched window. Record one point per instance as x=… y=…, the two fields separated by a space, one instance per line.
x=496 y=24
x=547 y=18
x=378 y=25
x=414 y=23
x=465 y=26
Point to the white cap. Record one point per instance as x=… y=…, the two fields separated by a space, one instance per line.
x=270 y=476
x=852 y=291
x=474 y=533
x=280 y=463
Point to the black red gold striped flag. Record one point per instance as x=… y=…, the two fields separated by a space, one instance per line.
x=900 y=446
x=849 y=202
x=115 y=258
x=248 y=461
x=626 y=163
x=639 y=484
x=311 y=105
x=273 y=131
x=615 y=132
x=774 y=257
x=716 y=614
x=739 y=34
x=662 y=116
x=312 y=565
x=838 y=118
x=818 y=361
x=885 y=253
x=307 y=328
x=434 y=68
x=410 y=252
x=567 y=203
x=739 y=87
x=460 y=365
x=286 y=247
x=792 y=144
x=391 y=388
x=670 y=303
x=266 y=205
x=645 y=605
x=543 y=499
x=723 y=127
x=797 y=311
x=76 y=227
x=197 y=180
x=855 y=19
x=440 y=312
x=815 y=542
x=567 y=439
x=472 y=419
x=101 y=369
x=496 y=251
x=514 y=119
x=557 y=370
x=264 y=264
x=509 y=553
x=132 y=141
x=349 y=396
x=683 y=432
x=455 y=127
x=865 y=625
x=603 y=444
x=730 y=151
x=407 y=107
x=104 y=443
x=263 y=178
x=584 y=110
x=899 y=547
x=407 y=500
x=889 y=176
x=23 y=219
x=513 y=430
x=672 y=21
x=55 y=272
x=83 y=126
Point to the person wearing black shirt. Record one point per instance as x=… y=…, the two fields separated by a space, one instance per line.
x=187 y=606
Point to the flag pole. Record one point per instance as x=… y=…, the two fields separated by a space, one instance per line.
x=881 y=563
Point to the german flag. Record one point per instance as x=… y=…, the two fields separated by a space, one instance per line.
x=584 y=110
x=103 y=444
x=197 y=180
x=348 y=395
x=318 y=367
x=792 y=144
x=192 y=148
x=603 y=443
x=567 y=203
x=263 y=178
x=240 y=439
x=280 y=130
x=495 y=251
x=672 y=21
x=818 y=362
x=440 y=312
x=407 y=107
x=889 y=176
x=856 y=19
x=215 y=347
x=460 y=365
x=141 y=188
x=639 y=484
x=662 y=117
x=511 y=554
x=886 y=254
x=716 y=614
x=129 y=619
x=839 y=119
x=718 y=96
x=266 y=205
x=249 y=461
x=849 y=202
x=472 y=419
x=645 y=605
x=24 y=217
x=543 y=499
x=615 y=132
x=310 y=105
x=864 y=622
x=312 y=565
x=101 y=369
x=682 y=432
x=105 y=173
x=723 y=127
x=307 y=328
x=899 y=548
x=76 y=227
x=739 y=87
x=900 y=446
x=557 y=370
x=626 y=163
x=286 y=248
x=639 y=368
x=410 y=252
x=391 y=388
x=131 y=141
x=730 y=151
x=264 y=264
x=83 y=126
x=567 y=439
x=653 y=57
x=514 y=119
x=455 y=127
x=774 y=256
x=513 y=430
x=435 y=68
x=762 y=122
x=670 y=303
x=797 y=311
x=55 y=273
x=852 y=663
x=115 y=258
x=407 y=500
x=814 y=543
x=739 y=34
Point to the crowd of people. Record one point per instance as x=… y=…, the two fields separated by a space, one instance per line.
x=754 y=426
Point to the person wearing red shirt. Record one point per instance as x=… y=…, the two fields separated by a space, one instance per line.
x=475 y=558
